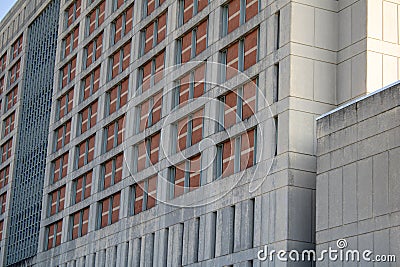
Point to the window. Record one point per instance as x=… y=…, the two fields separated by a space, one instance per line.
x=275 y=94
x=154 y=33
x=236 y=13
x=109 y=210
x=85 y=152
x=62 y=136
x=185 y=177
x=111 y=172
x=1 y=230
x=120 y=61
x=6 y=149
x=8 y=124
x=151 y=72
x=3 y=202
x=3 y=62
x=16 y=48
x=53 y=233
x=236 y=154
x=11 y=98
x=190 y=86
x=79 y=224
x=87 y=118
x=238 y=105
x=81 y=188
x=147 y=152
x=117 y=4
x=90 y=84
x=64 y=104
x=113 y=134
x=67 y=73
x=4 y=176
x=14 y=73
x=240 y=56
x=72 y=13
x=150 y=5
x=56 y=201
x=122 y=25
x=149 y=112
x=59 y=168
x=93 y=50
x=189 y=8
x=192 y=43
x=70 y=42
x=277 y=29
x=117 y=97
x=189 y=131
x=95 y=18
x=276 y=122
x=1 y=85
x=143 y=195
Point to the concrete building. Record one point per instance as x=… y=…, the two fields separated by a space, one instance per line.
x=358 y=177
x=28 y=42
x=156 y=146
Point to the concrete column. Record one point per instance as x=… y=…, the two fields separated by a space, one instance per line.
x=149 y=250
x=90 y=260
x=101 y=258
x=175 y=245
x=122 y=255
x=161 y=247
x=207 y=239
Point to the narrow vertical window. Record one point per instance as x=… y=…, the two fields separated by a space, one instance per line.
x=277 y=29
x=276 y=122
x=276 y=83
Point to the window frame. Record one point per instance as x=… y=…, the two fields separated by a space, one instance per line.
x=145 y=190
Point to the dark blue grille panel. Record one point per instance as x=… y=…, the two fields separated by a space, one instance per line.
x=31 y=150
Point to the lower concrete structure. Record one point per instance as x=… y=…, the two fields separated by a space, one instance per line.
x=358 y=179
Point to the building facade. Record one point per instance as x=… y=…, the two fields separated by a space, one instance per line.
x=182 y=132
x=29 y=35
x=358 y=178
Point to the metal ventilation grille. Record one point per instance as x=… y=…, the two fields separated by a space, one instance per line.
x=31 y=150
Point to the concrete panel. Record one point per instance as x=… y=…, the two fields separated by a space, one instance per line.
x=302 y=24
x=380 y=184
x=344 y=28
x=364 y=188
x=324 y=82
x=359 y=72
x=303 y=141
x=390 y=71
x=394 y=181
x=349 y=196
x=374 y=71
x=358 y=20
x=375 y=19
x=366 y=242
x=335 y=192
x=281 y=214
x=302 y=77
x=344 y=82
x=390 y=22
x=326 y=29
x=300 y=214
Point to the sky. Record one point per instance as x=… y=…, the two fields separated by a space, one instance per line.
x=5 y=6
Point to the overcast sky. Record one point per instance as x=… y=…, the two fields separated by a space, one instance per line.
x=5 y=6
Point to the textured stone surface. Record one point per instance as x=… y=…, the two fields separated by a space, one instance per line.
x=359 y=190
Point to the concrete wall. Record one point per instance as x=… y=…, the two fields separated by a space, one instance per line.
x=358 y=186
